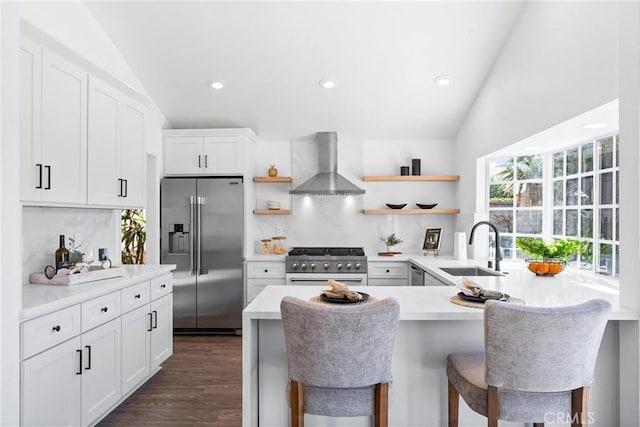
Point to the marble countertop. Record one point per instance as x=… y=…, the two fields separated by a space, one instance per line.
x=42 y=299
x=433 y=302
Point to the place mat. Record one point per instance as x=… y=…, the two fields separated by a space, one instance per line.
x=457 y=300
x=321 y=301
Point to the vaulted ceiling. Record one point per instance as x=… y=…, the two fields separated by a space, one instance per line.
x=383 y=57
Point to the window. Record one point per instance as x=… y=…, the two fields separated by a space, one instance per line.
x=583 y=196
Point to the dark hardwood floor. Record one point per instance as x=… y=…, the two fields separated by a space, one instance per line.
x=200 y=385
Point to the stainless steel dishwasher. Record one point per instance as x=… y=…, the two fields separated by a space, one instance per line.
x=417 y=276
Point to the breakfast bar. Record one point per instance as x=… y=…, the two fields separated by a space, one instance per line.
x=431 y=327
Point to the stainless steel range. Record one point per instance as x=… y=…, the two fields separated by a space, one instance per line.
x=314 y=266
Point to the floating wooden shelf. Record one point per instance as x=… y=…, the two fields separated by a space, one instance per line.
x=270 y=179
x=409 y=211
x=272 y=211
x=407 y=178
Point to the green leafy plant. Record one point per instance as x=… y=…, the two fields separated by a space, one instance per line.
x=560 y=249
x=134 y=236
x=75 y=256
x=391 y=240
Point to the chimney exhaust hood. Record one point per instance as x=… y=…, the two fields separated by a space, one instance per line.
x=327 y=182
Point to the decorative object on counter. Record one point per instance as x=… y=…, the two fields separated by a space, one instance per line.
x=266 y=246
x=460 y=245
x=67 y=277
x=456 y=299
x=103 y=256
x=432 y=239
x=278 y=245
x=396 y=206
x=273 y=206
x=272 y=171
x=134 y=236
x=404 y=170
x=549 y=259
x=389 y=242
x=426 y=206
x=339 y=293
x=415 y=167
x=75 y=256
x=62 y=255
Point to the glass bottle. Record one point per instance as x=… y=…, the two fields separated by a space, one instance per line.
x=62 y=255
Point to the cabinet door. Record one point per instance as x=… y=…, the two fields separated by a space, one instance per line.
x=131 y=160
x=103 y=181
x=101 y=374
x=162 y=330
x=64 y=130
x=183 y=155
x=30 y=117
x=50 y=389
x=136 y=340
x=223 y=155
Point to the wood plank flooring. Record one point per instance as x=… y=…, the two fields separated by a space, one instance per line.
x=200 y=385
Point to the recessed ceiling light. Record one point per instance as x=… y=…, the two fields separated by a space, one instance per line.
x=594 y=125
x=327 y=84
x=442 y=80
x=217 y=85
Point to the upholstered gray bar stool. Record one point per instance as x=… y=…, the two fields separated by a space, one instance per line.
x=537 y=366
x=339 y=358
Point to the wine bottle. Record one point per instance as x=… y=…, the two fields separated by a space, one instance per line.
x=62 y=255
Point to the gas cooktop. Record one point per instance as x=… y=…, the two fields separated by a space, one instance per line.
x=327 y=251
x=326 y=260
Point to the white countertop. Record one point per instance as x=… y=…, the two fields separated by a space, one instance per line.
x=260 y=257
x=432 y=302
x=41 y=299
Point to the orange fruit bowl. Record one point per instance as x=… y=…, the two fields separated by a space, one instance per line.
x=545 y=267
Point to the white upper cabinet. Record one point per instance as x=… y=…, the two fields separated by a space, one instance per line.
x=205 y=151
x=116 y=148
x=54 y=127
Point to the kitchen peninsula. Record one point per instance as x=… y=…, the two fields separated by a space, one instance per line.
x=430 y=328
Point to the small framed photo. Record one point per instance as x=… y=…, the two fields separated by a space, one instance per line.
x=432 y=239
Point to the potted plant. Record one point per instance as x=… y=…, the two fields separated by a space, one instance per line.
x=390 y=241
x=548 y=259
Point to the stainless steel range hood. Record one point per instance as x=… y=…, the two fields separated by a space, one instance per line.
x=327 y=182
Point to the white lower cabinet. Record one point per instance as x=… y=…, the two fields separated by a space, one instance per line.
x=388 y=273
x=260 y=274
x=77 y=381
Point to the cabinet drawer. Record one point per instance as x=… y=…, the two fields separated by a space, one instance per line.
x=49 y=330
x=100 y=310
x=161 y=286
x=265 y=269
x=388 y=282
x=383 y=270
x=135 y=296
x=255 y=286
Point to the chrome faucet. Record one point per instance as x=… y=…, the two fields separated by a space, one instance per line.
x=498 y=256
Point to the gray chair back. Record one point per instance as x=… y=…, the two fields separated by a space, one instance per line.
x=542 y=349
x=338 y=346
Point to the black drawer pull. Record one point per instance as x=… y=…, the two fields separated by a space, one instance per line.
x=56 y=328
x=137 y=296
x=388 y=271
x=155 y=319
x=150 y=322
x=88 y=347
x=48 y=168
x=80 y=370
x=163 y=286
x=266 y=271
x=104 y=309
x=39 y=166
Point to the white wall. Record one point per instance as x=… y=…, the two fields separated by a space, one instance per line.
x=338 y=220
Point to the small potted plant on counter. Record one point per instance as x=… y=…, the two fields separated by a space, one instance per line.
x=389 y=242
x=548 y=259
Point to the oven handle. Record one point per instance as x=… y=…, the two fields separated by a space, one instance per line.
x=293 y=279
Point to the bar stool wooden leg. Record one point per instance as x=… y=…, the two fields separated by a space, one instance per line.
x=381 y=408
x=297 y=404
x=453 y=405
x=579 y=407
x=492 y=406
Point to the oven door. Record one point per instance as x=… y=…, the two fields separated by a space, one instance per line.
x=320 y=279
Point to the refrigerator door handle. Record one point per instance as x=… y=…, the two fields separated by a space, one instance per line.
x=199 y=201
x=194 y=232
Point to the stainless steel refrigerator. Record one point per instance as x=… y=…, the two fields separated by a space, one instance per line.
x=201 y=220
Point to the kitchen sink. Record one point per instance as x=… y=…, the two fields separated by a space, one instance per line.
x=469 y=271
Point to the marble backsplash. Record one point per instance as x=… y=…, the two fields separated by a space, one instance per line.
x=42 y=226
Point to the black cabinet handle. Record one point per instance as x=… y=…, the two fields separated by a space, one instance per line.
x=266 y=271
x=199 y=160
x=155 y=319
x=48 y=168
x=388 y=270
x=120 y=185
x=126 y=187
x=56 y=328
x=150 y=322
x=206 y=160
x=104 y=309
x=137 y=296
x=80 y=370
x=163 y=286
x=39 y=166
x=88 y=347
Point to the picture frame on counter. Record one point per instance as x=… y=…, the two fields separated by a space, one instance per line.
x=432 y=240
